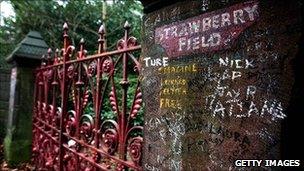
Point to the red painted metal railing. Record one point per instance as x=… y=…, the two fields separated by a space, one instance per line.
x=85 y=111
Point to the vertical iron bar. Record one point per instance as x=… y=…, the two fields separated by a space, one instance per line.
x=63 y=95
x=53 y=102
x=34 y=131
x=54 y=84
x=35 y=97
x=40 y=90
x=125 y=84
x=79 y=85
x=98 y=87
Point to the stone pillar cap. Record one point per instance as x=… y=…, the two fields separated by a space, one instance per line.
x=31 y=47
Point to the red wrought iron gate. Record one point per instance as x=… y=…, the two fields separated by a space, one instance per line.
x=85 y=111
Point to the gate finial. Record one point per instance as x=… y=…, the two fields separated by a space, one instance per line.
x=65 y=35
x=56 y=56
x=81 y=52
x=65 y=26
x=127 y=25
x=101 y=39
x=101 y=30
x=49 y=58
x=81 y=41
x=43 y=63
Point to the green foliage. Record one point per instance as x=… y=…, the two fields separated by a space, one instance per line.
x=84 y=18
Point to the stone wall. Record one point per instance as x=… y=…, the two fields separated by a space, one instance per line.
x=218 y=78
x=19 y=123
x=4 y=98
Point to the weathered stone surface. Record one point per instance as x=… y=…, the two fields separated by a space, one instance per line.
x=4 y=97
x=19 y=134
x=210 y=105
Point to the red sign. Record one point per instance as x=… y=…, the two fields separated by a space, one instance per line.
x=207 y=32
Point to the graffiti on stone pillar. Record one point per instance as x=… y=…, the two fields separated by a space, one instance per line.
x=206 y=32
x=213 y=86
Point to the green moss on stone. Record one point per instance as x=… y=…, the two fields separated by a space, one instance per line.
x=3 y=116
x=17 y=151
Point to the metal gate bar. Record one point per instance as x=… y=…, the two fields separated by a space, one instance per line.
x=66 y=136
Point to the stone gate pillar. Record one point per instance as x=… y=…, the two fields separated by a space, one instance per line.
x=218 y=81
x=24 y=59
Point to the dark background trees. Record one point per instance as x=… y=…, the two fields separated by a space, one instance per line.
x=84 y=17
